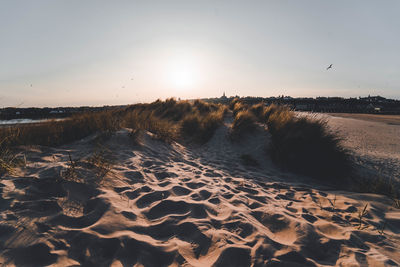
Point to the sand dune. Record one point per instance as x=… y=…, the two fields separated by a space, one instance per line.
x=170 y=205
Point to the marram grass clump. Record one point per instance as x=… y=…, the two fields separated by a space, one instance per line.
x=243 y=123
x=177 y=120
x=306 y=145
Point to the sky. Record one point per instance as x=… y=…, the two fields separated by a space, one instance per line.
x=73 y=52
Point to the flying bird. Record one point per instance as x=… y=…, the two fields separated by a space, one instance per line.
x=330 y=67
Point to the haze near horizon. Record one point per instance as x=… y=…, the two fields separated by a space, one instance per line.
x=71 y=53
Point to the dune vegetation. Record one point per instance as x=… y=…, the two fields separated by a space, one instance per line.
x=168 y=120
x=244 y=122
x=305 y=145
x=302 y=145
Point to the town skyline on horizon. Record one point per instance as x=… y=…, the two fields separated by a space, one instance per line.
x=223 y=96
x=67 y=53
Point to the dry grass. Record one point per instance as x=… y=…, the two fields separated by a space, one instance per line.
x=191 y=125
x=244 y=122
x=233 y=102
x=9 y=159
x=53 y=133
x=170 y=109
x=101 y=162
x=378 y=185
x=239 y=106
x=202 y=106
x=382 y=186
x=70 y=173
x=210 y=123
x=145 y=119
x=177 y=120
x=305 y=145
x=258 y=111
x=201 y=125
x=167 y=120
x=273 y=109
x=361 y=215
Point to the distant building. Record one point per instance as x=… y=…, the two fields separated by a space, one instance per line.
x=223 y=97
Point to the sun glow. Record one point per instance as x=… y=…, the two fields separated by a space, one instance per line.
x=182 y=77
x=183 y=74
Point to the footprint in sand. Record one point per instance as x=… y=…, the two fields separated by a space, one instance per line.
x=170 y=207
x=34 y=255
x=163 y=175
x=195 y=185
x=186 y=231
x=234 y=257
x=205 y=194
x=241 y=228
x=180 y=190
x=147 y=199
x=133 y=194
x=136 y=175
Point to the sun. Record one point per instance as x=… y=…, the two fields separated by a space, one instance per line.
x=182 y=77
x=182 y=74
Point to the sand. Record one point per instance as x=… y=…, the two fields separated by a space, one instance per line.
x=173 y=205
x=373 y=140
x=388 y=119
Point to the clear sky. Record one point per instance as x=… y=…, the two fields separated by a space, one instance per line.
x=73 y=52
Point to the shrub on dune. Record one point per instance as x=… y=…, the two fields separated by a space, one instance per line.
x=233 y=102
x=278 y=117
x=8 y=159
x=244 y=122
x=163 y=129
x=210 y=123
x=239 y=106
x=190 y=125
x=202 y=106
x=273 y=109
x=169 y=109
x=202 y=127
x=258 y=110
x=306 y=145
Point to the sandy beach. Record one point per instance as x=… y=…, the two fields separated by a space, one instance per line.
x=388 y=119
x=374 y=140
x=169 y=205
